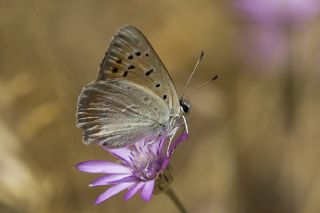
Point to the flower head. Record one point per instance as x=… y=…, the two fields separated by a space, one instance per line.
x=140 y=165
x=266 y=39
x=279 y=12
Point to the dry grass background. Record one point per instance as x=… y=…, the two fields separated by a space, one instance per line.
x=239 y=157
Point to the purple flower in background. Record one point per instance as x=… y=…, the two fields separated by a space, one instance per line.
x=140 y=165
x=266 y=38
x=279 y=12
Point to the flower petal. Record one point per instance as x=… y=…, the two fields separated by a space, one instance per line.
x=133 y=190
x=122 y=153
x=147 y=190
x=96 y=166
x=112 y=191
x=109 y=179
x=165 y=164
x=173 y=145
x=157 y=146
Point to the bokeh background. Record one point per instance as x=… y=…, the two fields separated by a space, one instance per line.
x=254 y=143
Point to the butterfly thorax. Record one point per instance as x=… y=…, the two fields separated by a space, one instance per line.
x=177 y=120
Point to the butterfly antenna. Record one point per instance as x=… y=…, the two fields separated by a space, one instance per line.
x=202 y=85
x=194 y=69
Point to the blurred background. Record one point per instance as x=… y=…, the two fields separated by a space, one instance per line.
x=254 y=143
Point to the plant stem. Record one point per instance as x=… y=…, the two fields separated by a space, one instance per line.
x=289 y=89
x=290 y=118
x=176 y=200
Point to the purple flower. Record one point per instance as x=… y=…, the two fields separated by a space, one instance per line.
x=140 y=165
x=266 y=38
x=279 y=12
x=265 y=46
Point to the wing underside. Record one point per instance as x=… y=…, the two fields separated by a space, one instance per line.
x=133 y=97
x=119 y=113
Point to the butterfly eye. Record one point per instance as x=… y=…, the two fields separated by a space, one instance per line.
x=185 y=108
x=185 y=105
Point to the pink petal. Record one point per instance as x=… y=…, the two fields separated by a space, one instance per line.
x=133 y=190
x=112 y=191
x=165 y=164
x=109 y=179
x=96 y=166
x=173 y=145
x=147 y=190
x=122 y=153
x=157 y=146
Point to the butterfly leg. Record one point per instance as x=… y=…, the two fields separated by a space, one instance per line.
x=173 y=134
x=174 y=131
x=185 y=124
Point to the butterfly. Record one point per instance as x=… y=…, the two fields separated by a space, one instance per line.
x=133 y=97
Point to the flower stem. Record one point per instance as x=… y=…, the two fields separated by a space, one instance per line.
x=176 y=200
x=289 y=92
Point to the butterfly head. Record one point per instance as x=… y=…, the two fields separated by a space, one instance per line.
x=185 y=105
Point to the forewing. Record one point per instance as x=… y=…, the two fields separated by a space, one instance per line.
x=116 y=113
x=130 y=56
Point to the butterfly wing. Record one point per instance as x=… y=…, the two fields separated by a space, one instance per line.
x=133 y=97
x=132 y=57
x=115 y=113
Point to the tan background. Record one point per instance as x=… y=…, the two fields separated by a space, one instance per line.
x=240 y=157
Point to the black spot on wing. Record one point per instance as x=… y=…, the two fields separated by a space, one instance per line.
x=131 y=67
x=149 y=72
x=114 y=69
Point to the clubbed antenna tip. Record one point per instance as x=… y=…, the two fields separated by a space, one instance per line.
x=201 y=55
x=214 y=77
